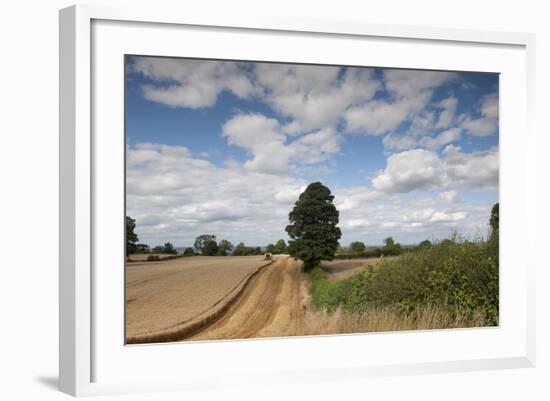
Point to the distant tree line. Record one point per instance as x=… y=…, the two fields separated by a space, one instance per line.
x=242 y=250
x=358 y=249
x=278 y=248
x=207 y=245
x=167 y=248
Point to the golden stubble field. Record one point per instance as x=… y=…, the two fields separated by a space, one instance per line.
x=167 y=299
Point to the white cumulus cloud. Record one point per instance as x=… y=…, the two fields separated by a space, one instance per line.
x=261 y=137
x=410 y=92
x=315 y=97
x=477 y=170
x=416 y=169
x=274 y=152
x=192 y=83
x=420 y=169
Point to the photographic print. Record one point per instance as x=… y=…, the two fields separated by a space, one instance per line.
x=280 y=199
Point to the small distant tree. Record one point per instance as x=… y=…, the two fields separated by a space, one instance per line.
x=188 y=251
x=391 y=247
x=210 y=248
x=203 y=243
x=131 y=236
x=389 y=242
x=424 y=244
x=158 y=249
x=169 y=249
x=142 y=248
x=240 y=249
x=270 y=248
x=357 y=246
x=224 y=247
x=280 y=247
x=313 y=226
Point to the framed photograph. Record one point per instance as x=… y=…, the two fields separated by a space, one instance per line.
x=267 y=200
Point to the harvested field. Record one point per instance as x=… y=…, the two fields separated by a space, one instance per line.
x=343 y=268
x=167 y=298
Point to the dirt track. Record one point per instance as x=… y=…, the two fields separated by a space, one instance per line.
x=271 y=305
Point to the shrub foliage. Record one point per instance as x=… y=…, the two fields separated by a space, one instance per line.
x=460 y=276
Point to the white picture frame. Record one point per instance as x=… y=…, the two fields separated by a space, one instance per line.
x=92 y=38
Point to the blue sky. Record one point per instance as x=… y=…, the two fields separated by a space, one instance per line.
x=226 y=147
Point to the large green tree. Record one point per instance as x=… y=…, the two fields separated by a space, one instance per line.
x=313 y=227
x=131 y=236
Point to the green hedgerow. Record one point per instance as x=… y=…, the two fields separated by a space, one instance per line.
x=458 y=275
